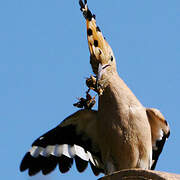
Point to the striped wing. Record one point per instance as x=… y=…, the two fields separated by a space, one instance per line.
x=75 y=138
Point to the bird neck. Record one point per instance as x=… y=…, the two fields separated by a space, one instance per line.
x=117 y=94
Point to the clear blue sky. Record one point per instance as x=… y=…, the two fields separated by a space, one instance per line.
x=44 y=61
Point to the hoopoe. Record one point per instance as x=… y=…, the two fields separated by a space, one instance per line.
x=121 y=134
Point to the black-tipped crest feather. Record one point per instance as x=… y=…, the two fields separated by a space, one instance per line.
x=86 y=12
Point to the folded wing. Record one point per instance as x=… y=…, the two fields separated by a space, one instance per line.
x=160 y=132
x=75 y=138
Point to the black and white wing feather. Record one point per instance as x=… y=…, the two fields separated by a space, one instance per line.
x=160 y=132
x=75 y=138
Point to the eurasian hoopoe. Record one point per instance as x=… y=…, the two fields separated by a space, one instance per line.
x=121 y=134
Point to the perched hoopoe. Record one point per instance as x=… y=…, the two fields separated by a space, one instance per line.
x=121 y=134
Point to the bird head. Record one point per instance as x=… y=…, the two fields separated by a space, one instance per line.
x=101 y=55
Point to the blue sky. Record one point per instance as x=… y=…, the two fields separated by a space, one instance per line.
x=44 y=61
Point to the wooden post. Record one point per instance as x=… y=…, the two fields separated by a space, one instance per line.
x=139 y=174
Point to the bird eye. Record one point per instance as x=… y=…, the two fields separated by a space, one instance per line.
x=111 y=58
